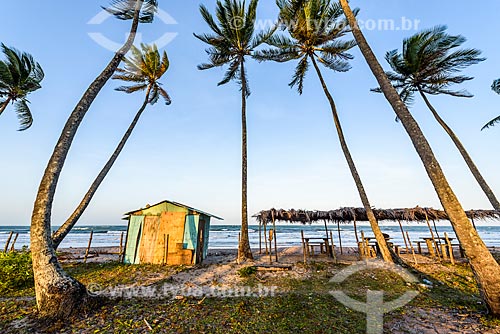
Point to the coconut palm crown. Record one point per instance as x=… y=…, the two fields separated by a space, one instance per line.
x=125 y=9
x=315 y=28
x=144 y=68
x=233 y=38
x=430 y=63
x=20 y=75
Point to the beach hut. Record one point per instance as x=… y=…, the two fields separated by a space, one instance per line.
x=167 y=233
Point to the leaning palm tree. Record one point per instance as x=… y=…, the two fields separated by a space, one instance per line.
x=144 y=68
x=429 y=65
x=316 y=28
x=20 y=75
x=58 y=294
x=232 y=40
x=483 y=264
x=496 y=88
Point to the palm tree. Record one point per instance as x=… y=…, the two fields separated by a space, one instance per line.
x=496 y=88
x=232 y=40
x=144 y=69
x=59 y=295
x=483 y=264
x=20 y=75
x=429 y=64
x=316 y=33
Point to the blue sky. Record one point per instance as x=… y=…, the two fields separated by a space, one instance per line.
x=190 y=151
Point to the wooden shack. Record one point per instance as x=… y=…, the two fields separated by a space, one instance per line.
x=167 y=233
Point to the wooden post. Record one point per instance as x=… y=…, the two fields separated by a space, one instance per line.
x=450 y=249
x=340 y=238
x=435 y=229
x=363 y=246
x=275 y=237
x=472 y=219
x=271 y=235
x=121 y=248
x=333 y=248
x=265 y=236
x=88 y=247
x=304 y=250
x=433 y=239
x=411 y=245
x=326 y=229
x=8 y=242
x=404 y=237
x=163 y=260
x=260 y=238
x=12 y=248
x=355 y=226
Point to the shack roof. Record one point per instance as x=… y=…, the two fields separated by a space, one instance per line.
x=346 y=215
x=176 y=204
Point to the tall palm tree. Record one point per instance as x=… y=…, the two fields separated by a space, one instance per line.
x=58 y=294
x=496 y=88
x=486 y=269
x=316 y=28
x=144 y=68
x=232 y=40
x=430 y=64
x=20 y=75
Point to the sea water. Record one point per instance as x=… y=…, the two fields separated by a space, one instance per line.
x=226 y=236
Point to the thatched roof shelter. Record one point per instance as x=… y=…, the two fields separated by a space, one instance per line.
x=347 y=215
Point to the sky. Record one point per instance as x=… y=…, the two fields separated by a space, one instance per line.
x=190 y=152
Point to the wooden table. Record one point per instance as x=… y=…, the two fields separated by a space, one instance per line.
x=323 y=244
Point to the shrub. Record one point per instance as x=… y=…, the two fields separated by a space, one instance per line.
x=16 y=271
x=247 y=271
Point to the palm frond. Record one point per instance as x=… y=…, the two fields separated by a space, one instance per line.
x=496 y=86
x=125 y=9
x=23 y=114
x=491 y=123
x=300 y=74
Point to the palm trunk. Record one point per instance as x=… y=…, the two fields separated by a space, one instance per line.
x=384 y=250
x=245 y=253
x=57 y=294
x=484 y=266
x=4 y=105
x=468 y=160
x=75 y=216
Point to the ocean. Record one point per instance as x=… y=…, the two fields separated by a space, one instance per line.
x=226 y=236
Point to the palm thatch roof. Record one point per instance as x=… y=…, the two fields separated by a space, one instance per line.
x=346 y=215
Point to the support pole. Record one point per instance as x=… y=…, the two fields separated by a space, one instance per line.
x=88 y=247
x=265 y=236
x=333 y=247
x=271 y=235
x=275 y=237
x=432 y=235
x=304 y=250
x=12 y=248
x=340 y=238
x=435 y=229
x=450 y=249
x=404 y=237
x=412 y=249
x=260 y=238
x=8 y=242
x=166 y=249
x=120 y=253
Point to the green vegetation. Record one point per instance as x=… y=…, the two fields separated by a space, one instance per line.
x=16 y=272
x=247 y=271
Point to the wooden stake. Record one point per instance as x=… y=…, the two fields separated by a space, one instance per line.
x=8 y=242
x=412 y=249
x=435 y=229
x=265 y=236
x=404 y=237
x=450 y=249
x=304 y=250
x=260 y=238
x=88 y=247
x=432 y=235
x=121 y=248
x=333 y=247
x=340 y=238
x=355 y=226
x=271 y=234
x=12 y=248
x=275 y=237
